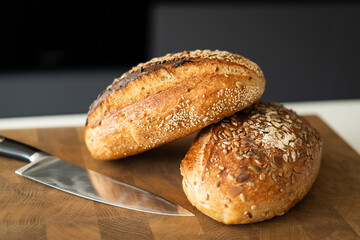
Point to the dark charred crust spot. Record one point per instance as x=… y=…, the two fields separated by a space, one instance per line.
x=116 y=86
x=127 y=79
x=180 y=62
x=166 y=69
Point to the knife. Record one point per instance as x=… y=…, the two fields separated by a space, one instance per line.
x=54 y=172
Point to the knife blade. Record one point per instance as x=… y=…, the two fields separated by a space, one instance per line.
x=54 y=172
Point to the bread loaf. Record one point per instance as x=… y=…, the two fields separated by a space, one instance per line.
x=253 y=166
x=168 y=98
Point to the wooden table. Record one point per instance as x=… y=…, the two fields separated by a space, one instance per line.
x=29 y=210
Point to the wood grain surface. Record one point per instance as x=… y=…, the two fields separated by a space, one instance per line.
x=30 y=210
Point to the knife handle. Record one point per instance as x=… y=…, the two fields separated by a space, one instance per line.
x=14 y=149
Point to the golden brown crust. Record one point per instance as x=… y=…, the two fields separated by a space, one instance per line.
x=252 y=166
x=168 y=98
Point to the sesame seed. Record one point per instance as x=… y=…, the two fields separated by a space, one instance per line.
x=262 y=176
x=293 y=155
x=206 y=118
x=231 y=177
x=161 y=124
x=250 y=184
x=168 y=117
x=242 y=197
x=221 y=92
x=269 y=214
x=238 y=156
x=227 y=142
x=285 y=157
x=239 y=85
x=227 y=132
x=273 y=176
x=234 y=134
x=273 y=165
x=248 y=214
x=257 y=162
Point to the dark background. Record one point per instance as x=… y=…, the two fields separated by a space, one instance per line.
x=55 y=57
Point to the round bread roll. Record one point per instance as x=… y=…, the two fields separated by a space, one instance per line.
x=252 y=166
x=168 y=98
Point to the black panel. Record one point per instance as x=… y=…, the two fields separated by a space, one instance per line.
x=53 y=34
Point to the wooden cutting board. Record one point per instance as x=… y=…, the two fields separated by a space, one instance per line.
x=29 y=210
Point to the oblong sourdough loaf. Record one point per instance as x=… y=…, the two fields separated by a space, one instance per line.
x=252 y=166
x=168 y=98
